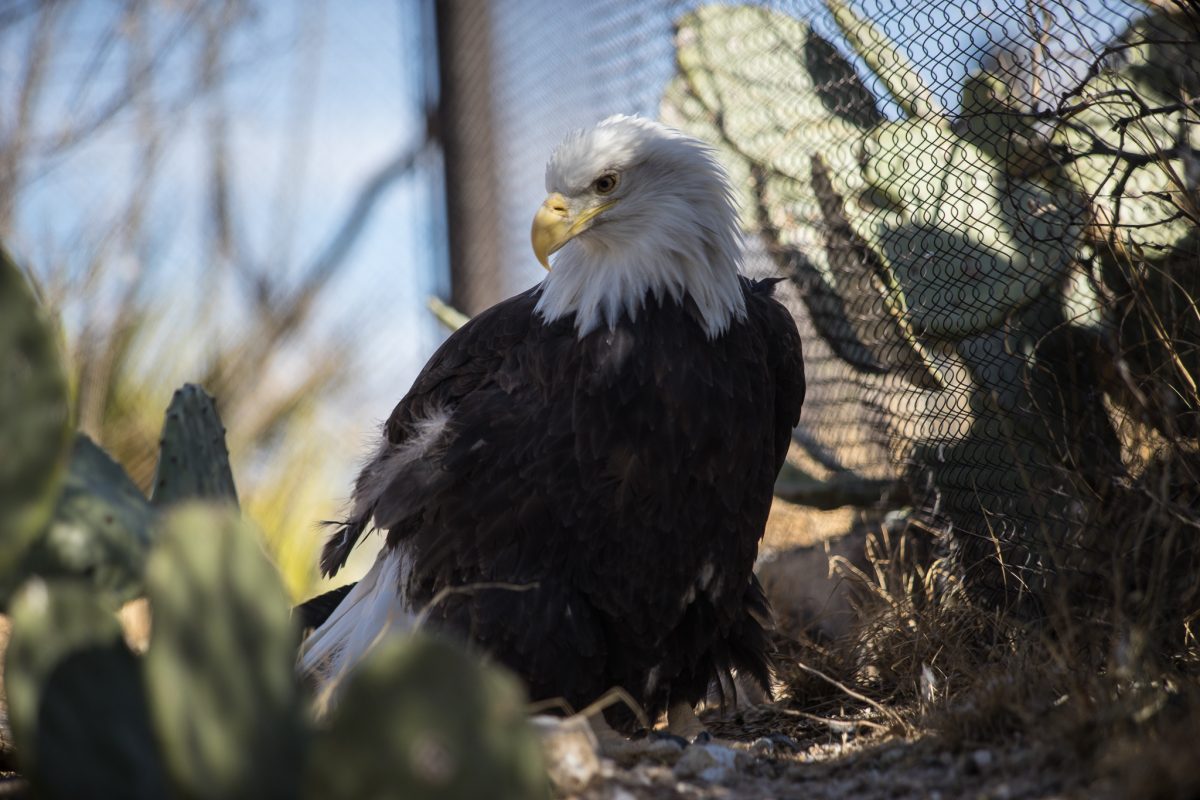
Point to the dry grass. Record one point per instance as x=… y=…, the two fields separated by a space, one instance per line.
x=1105 y=683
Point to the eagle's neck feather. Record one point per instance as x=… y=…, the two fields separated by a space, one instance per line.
x=599 y=282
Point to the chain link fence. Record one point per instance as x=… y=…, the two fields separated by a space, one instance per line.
x=987 y=213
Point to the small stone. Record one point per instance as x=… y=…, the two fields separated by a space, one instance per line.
x=666 y=751
x=655 y=773
x=982 y=759
x=708 y=762
x=773 y=745
x=667 y=736
x=571 y=751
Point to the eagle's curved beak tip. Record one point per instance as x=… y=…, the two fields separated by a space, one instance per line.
x=552 y=228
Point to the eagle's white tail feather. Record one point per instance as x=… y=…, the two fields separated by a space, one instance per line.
x=375 y=606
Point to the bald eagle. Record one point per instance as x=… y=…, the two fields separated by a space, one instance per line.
x=578 y=480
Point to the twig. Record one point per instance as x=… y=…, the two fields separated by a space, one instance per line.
x=838 y=491
x=887 y=712
x=469 y=588
x=446 y=314
x=836 y=725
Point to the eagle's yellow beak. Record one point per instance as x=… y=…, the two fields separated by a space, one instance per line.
x=554 y=225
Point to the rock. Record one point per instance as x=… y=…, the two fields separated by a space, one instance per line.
x=571 y=750
x=708 y=762
x=664 y=751
x=982 y=759
x=805 y=597
x=773 y=745
x=652 y=774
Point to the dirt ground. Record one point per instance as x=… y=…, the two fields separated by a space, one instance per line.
x=845 y=766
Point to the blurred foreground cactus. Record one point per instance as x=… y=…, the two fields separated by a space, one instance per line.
x=215 y=707
x=34 y=421
x=102 y=526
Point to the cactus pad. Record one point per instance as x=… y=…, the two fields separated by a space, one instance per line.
x=34 y=421
x=193 y=462
x=220 y=678
x=101 y=528
x=451 y=728
x=965 y=245
x=770 y=93
x=1130 y=140
x=886 y=60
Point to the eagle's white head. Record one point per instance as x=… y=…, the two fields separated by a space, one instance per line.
x=637 y=207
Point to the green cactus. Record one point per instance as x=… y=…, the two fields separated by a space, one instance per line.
x=885 y=60
x=1021 y=450
x=771 y=93
x=220 y=673
x=1129 y=141
x=101 y=528
x=967 y=246
x=995 y=121
x=778 y=99
x=871 y=296
x=34 y=421
x=451 y=728
x=193 y=462
x=50 y=620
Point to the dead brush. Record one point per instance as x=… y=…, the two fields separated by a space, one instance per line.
x=1108 y=676
x=945 y=665
x=973 y=674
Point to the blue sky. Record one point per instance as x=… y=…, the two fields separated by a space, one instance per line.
x=354 y=71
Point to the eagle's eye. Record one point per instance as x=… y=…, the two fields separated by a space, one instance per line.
x=606 y=183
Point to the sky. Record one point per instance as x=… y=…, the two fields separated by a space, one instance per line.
x=320 y=95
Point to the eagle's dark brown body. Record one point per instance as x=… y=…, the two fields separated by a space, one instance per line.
x=623 y=479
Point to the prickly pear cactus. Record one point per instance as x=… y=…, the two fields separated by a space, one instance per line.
x=998 y=123
x=771 y=93
x=220 y=674
x=966 y=245
x=193 y=462
x=781 y=103
x=1131 y=143
x=50 y=620
x=34 y=421
x=451 y=729
x=101 y=528
x=886 y=60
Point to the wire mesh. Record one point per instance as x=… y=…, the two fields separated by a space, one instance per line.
x=987 y=216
